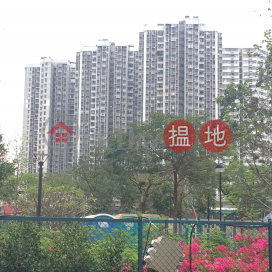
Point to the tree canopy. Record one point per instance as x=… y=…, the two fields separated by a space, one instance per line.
x=249 y=114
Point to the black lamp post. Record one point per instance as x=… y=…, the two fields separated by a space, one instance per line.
x=220 y=169
x=41 y=162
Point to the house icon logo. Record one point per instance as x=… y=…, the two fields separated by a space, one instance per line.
x=60 y=137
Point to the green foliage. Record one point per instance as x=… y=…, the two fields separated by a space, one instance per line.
x=59 y=197
x=249 y=116
x=246 y=191
x=213 y=238
x=20 y=247
x=27 y=246
x=111 y=253
x=161 y=198
x=142 y=152
x=6 y=168
x=265 y=70
x=91 y=175
x=130 y=256
x=69 y=248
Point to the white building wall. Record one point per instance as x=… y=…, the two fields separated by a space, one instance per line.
x=46 y=87
x=181 y=68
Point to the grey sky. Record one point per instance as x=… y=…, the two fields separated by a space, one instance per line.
x=58 y=29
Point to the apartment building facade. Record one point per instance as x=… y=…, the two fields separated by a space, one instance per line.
x=240 y=64
x=93 y=91
x=176 y=70
x=181 y=67
x=48 y=86
x=107 y=93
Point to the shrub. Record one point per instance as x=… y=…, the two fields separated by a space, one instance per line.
x=20 y=248
x=68 y=249
x=27 y=246
x=251 y=254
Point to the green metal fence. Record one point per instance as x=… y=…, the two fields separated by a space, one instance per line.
x=44 y=244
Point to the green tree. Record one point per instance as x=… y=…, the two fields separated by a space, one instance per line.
x=265 y=70
x=249 y=115
x=14 y=184
x=136 y=175
x=146 y=184
x=147 y=153
x=6 y=167
x=59 y=197
x=162 y=198
x=90 y=175
x=246 y=191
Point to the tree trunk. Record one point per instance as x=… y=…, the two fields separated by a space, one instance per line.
x=143 y=207
x=175 y=213
x=143 y=201
x=180 y=206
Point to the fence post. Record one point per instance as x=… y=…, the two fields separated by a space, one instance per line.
x=199 y=225
x=270 y=244
x=140 y=244
x=166 y=227
x=175 y=226
x=208 y=232
x=224 y=227
x=234 y=227
x=186 y=229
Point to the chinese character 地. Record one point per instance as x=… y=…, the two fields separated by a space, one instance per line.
x=181 y=141
x=217 y=136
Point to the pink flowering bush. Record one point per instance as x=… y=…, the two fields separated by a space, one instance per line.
x=251 y=255
x=125 y=268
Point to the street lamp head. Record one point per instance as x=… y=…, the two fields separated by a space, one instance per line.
x=41 y=156
x=219 y=168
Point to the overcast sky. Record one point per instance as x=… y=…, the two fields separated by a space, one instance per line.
x=58 y=29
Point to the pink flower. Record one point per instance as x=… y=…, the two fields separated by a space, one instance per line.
x=243 y=249
x=222 y=248
x=125 y=268
x=195 y=249
x=231 y=253
x=261 y=244
x=238 y=237
x=249 y=239
x=208 y=250
x=263 y=230
x=195 y=239
x=250 y=258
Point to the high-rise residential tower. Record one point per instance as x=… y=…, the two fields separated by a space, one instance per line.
x=93 y=90
x=181 y=67
x=177 y=69
x=48 y=87
x=107 y=92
